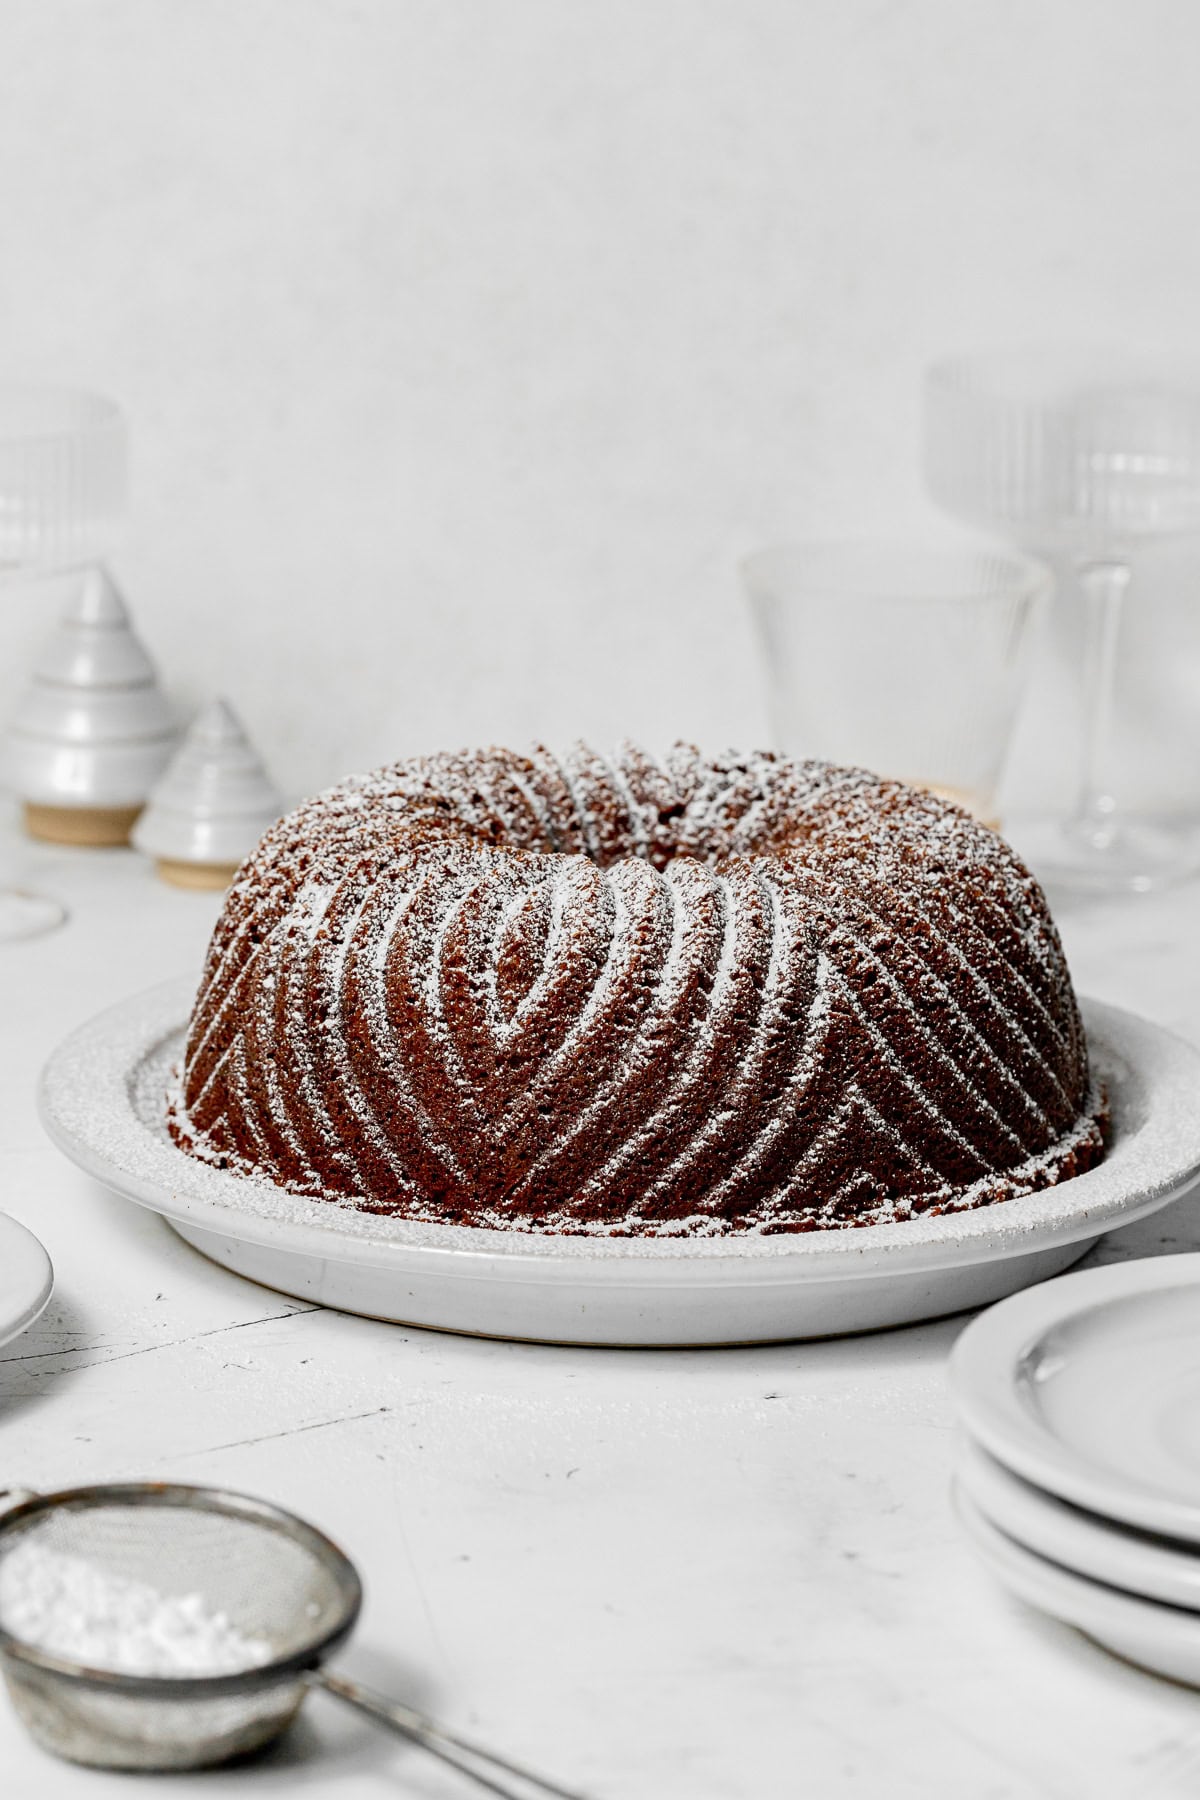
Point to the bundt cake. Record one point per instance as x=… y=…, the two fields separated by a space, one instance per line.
x=711 y=995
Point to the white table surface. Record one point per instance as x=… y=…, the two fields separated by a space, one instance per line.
x=660 y=1575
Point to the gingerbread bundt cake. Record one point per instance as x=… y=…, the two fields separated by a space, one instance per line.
x=730 y=994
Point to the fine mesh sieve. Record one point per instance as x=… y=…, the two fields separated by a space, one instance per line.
x=285 y=1589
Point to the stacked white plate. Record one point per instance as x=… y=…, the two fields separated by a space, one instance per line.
x=1079 y=1470
x=26 y=1278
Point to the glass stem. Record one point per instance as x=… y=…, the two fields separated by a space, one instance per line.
x=1104 y=587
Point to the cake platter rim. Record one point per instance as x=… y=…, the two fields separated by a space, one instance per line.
x=88 y=1106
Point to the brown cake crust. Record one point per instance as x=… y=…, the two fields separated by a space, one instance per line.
x=712 y=995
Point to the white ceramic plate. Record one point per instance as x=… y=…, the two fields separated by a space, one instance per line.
x=26 y=1278
x=102 y=1103
x=1090 y=1387
x=1152 y=1567
x=1165 y=1639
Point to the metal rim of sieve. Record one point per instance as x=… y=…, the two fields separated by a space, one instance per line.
x=229 y=1504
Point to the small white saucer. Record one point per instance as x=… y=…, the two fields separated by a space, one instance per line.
x=1151 y=1567
x=103 y=1099
x=1164 y=1639
x=26 y=1278
x=1089 y=1387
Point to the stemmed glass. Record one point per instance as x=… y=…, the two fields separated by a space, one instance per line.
x=1080 y=456
x=63 y=480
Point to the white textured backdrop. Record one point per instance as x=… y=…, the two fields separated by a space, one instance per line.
x=467 y=345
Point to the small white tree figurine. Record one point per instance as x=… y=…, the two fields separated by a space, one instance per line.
x=212 y=805
x=93 y=730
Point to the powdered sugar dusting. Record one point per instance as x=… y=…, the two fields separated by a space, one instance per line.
x=771 y=997
x=878 y=1025
x=84 y=1613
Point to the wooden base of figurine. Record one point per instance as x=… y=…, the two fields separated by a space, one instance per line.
x=971 y=803
x=89 y=827
x=207 y=876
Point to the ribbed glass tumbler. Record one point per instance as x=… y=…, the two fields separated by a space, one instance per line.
x=899 y=658
x=63 y=479
x=63 y=474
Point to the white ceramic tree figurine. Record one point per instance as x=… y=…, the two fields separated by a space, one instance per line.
x=211 y=806
x=93 y=730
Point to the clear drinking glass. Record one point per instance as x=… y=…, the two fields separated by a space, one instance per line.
x=1080 y=456
x=906 y=660
x=63 y=482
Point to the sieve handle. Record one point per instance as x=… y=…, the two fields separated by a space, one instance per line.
x=470 y=1759
x=15 y=1496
